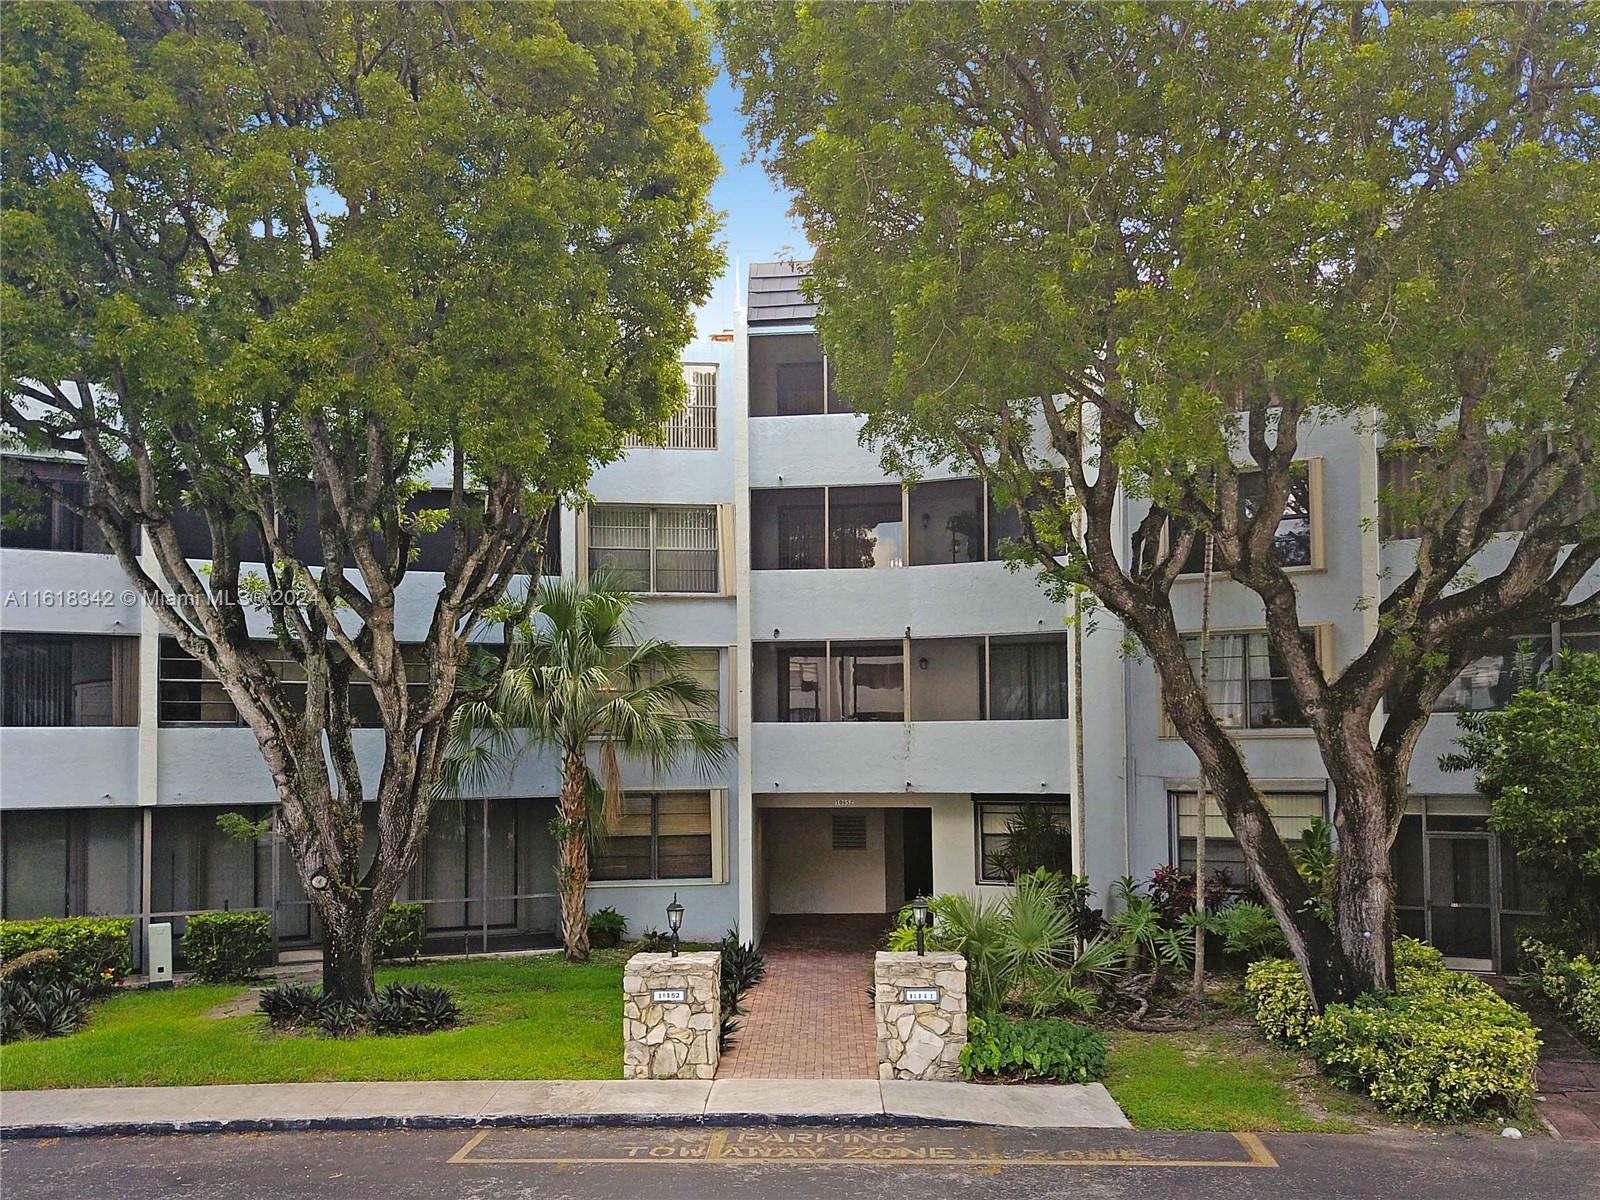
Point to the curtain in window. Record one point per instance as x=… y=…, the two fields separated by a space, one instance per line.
x=1008 y=682
x=1226 y=674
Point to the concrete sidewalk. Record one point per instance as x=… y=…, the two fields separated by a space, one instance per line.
x=465 y=1104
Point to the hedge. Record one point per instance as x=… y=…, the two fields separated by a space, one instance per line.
x=1033 y=1049
x=1570 y=983
x=227 y=947
x=95 y=952
x=400 y=932
x=1442 y=1045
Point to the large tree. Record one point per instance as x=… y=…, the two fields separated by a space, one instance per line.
x=1156 y=244
x=272 y=265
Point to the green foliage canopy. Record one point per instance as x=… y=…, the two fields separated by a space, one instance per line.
x=1538 y=762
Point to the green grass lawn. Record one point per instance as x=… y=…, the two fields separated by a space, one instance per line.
x=1211 y=1079
x=532 y=1017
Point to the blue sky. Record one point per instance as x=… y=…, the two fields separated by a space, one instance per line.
x=756 y=223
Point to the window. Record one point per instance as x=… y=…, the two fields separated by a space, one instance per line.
x=1005 y=525
x=790 y=377
x=1291 y=812
x=1291 y=544
x=705 y=668
x=796 y=677
x=1489 y=681
x=662 y=835
x=868 y=681
x=1296 y=542
x=1018 y=835
x=61 y=679
x=786 y=529
x=662 y=550
x=694 y=426
x=1581 y=637
x=69 y=863
x=1248 y=686
x=947 y=522
x=189 y=694
x=865 y=527
x=1028 y=679
x=30 y=520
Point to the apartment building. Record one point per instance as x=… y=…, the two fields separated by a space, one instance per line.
x=898 y=698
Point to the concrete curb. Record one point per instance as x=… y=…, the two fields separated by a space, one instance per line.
x=487 y=1104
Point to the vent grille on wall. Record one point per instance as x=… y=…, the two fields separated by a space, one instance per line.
x=850 y=831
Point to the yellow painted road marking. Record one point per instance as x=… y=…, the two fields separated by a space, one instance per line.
x=717 y=1151
x=460 y=1156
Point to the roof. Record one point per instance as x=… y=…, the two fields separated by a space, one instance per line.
x=775 y=296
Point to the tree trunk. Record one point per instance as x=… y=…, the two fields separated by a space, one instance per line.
x=347 y=956
x=572 y=867
x=1364 y=896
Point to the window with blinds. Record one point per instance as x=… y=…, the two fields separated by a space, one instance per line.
x=189 y=694
x=705 y=668
x=1291 y=812
x=655 y=549
x=660 y=835
x=694 y=426
x=67 y=679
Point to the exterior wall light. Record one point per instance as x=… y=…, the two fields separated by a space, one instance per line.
x=919 y=915
x=675 y=921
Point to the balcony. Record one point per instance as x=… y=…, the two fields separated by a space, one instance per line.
x=56 y=591
x=947 y=600
x=69 y=766
x=1022 y=757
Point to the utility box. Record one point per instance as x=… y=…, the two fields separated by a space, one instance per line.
x=159 y=955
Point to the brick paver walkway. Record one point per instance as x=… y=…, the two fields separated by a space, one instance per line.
x=1568 y=1083
x=811 y=1017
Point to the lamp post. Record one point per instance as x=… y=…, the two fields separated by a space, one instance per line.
x=674 y=921
x=919 y=915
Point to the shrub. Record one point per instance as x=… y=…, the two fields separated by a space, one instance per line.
x=1277 y=997
x=743 y=964
x=289 y=1004
x=412 y=1008
x=41 y=1008
x=227 y=947
x=1441 y=1046
x=607 y=928
x=652 y=941
x=398 y=1008
x=1248 y=931
x=400 y=932
x=1569 y=983
x=1033 y=1049
x=31 y=964
x=336 y=1017
x=95 y=952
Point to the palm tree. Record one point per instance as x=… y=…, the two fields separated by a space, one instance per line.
x=577 y=678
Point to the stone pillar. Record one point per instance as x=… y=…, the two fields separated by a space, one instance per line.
x=671 y=1016
x=921 y=1006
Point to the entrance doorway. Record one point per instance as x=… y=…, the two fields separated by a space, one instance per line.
x=847 y=857
x=1461 y=908
x=917 y=831
x=1458 y=886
